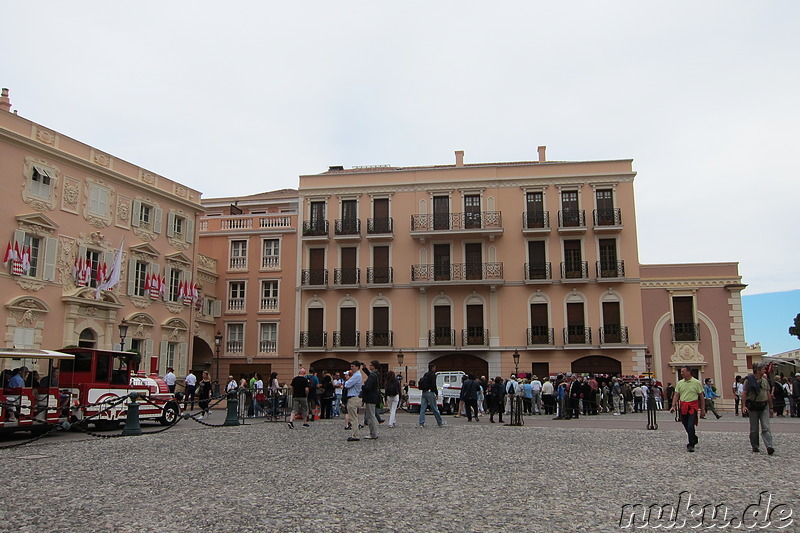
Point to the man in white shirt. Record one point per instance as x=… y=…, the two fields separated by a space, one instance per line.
x=536 y=389
x=190 y=383
x=232 y=385
x=353 y=385
x=170 y=379
x=338 y=385
x=512 y=389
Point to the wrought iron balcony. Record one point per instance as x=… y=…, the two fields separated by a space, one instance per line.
x=686 y=332
x=314 y=276
x=346 y=339
x=475 y=337
x=536 y=220
x=577 y=335
x=457 y=221
x=347 y=276
x=315 y=228
x=575 y=270
x=442 y=337
x=540 y=335
x=607 y=217
x=538 y=271
x=572 y=219
x=614 y=334
x=267 y=346
x=347 y=226
x=313 y=339
x=377 y=338
x=610 y=269
x=457 y=272
x=377 y=226
x=380 y=275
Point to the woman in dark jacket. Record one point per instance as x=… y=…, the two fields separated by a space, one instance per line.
x=328 y=394
x=204 y=394
x=778 y=396
x=497 y=394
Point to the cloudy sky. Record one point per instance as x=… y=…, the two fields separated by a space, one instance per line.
x=245 y=96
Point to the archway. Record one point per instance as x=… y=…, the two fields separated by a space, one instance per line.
x=463 y=362
x=203 y=357
x=87 y=339
x=330 y=365
x=596 y=364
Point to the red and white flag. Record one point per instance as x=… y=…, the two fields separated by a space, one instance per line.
x=110 y=281
x=147 y=282
x=16 y=265
x=9 y=254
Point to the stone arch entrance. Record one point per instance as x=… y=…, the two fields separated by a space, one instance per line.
x=203 y=356
x=464 y=362
x=330 y=365
x=596 y=364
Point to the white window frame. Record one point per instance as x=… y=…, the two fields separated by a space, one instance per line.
x=234 y=337
x=268 y=337
x=269 y=295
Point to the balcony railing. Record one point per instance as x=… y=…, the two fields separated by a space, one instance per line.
x=457 y=221
x=346 y=339
x=442 y=337
x=269 y=304
x=315 y=228
x=313 y=339
x=377 y=338
x=235 y=304
x=572 y=219
x=234 y=347
x=379 y=225
x=346 y=276
x=536 y=220
x=607 y=217
x=347 y=226
x=314 y=276
x=534 y=271
x=614 y=334
x=577 y=335
x=611 y=269
x=267 y=346
x=380 y=275
x=686 y=332
x=238 y=263
x=540 y=335
x=575 y=270
x=271 y=261
x=475 y=337
x=457 y=272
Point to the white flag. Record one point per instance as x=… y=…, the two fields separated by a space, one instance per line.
x=113 y=276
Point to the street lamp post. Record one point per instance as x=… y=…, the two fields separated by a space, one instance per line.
x=515 y=355
x=651 y=400
x=123 y=332
x=400 y=358
x=217 y=344
x=516 y=402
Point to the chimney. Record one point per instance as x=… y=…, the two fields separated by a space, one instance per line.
x=5 y=102
x=459 y=158
x=542 y=157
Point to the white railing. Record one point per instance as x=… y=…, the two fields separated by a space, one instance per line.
x=269 y=304
x=236 y=304
x=267 y=346
x=238 y=262
x=282 y=221
x=237 y=223
x=271 y=261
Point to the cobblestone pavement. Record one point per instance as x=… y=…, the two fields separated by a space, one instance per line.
x=462 y=477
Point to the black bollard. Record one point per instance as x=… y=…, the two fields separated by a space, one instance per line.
x=232 y=418
x=132 y=426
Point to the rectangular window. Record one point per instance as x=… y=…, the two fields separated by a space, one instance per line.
x=178 y=224
x=381 y=272
x=174 y=284
x=569 y=209
x=268 y=338
x=33 y=247
x=24 y=337
x=534 y=210
x=271 y=258
x=573 y=265
x=537 y=263
x=473 y=255
x=172 y=350
x=269 y=295
x=41 y=183
x=683 y=324
x=472 y=211
x=609 y=268
x=576 y=330
x=349 y=272
x=441 y=212
x=139 y=278
x=236 y=295
x=98 y=200
x=441 y=262
x=540 y=327
x=235 y=338
x=93 y=261
x=238 y=255
x=145 y=215
x=381 y=336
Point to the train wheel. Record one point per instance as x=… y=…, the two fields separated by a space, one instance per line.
x=171 y=414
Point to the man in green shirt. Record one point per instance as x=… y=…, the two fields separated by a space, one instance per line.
x=689 y=392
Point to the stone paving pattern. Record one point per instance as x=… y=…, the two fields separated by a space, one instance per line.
x=462 y=477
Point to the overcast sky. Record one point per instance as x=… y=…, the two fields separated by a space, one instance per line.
x=242 y=97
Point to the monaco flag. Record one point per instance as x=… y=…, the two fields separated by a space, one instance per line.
x=9 y=254
x=113 y=276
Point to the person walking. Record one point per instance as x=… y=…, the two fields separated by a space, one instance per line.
x=737 y=398
x=689 y=399
x=274 y=396
x=616 y=396
x=170 y=379
x=204 y=395
x=299 y=398
x=338 y=385
x=353 y=387
x=190 y=384
x=547 y=396
x=497 y=391
x=313 y=397
x=536 y=390
x=471 y=387
x=711 y=394
x=427 y=386
x=328 y=396
x=575 y=393
x=757 y=397
x=371 y=394
x=392 y=394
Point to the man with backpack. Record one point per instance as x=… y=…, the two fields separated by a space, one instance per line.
x=427 y=386
x=470 y=390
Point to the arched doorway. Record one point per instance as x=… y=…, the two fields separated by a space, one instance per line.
x=87 y=339
x=203 y=357
x=463 y=362
x=596 y=364
x=330 y=365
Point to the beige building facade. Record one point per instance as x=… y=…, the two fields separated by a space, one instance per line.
x=69 y=209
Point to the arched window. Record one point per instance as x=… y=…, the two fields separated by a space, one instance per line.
x=87 y=339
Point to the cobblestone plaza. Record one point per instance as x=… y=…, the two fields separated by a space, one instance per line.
x=544 y=476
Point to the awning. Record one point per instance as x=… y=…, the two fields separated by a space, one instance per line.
x=32 y=353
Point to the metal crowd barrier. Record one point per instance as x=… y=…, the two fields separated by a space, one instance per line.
x=275 y=406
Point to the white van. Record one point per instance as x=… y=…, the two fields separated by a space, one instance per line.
x=449 y=387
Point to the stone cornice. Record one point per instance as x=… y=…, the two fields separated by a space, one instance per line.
x=688 y=283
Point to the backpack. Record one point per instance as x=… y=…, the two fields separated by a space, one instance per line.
x=422 y=384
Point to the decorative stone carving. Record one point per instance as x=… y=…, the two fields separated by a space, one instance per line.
x=88 y=311
x=687 y=353
x=66 y=258
x=141 y=303
x=178 y=245
x=174 y=308
x=147 y=177
x=30 y=284
x=45 y=137
x=181 y=191
x=100 y=158
x=71 y=195
x=123 y=211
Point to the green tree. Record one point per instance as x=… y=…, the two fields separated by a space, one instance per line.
x=795 y=330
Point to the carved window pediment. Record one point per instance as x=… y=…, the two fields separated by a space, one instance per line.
x=144 y=249
x=179 y=259
x=36 y=223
